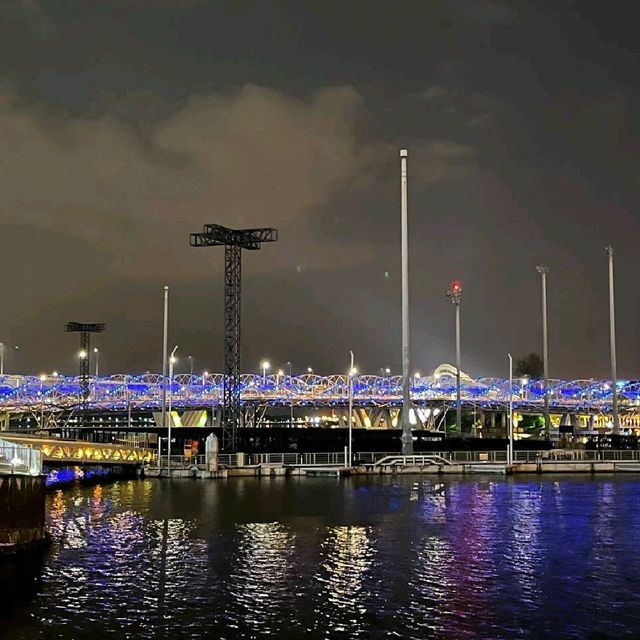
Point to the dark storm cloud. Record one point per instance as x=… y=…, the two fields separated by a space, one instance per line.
x=127 y=124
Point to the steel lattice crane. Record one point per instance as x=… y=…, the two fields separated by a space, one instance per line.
x=233 y=240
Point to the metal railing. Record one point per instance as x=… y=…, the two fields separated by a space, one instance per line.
x=300 y=459
x=415 y=460
x=325 y=459
x=578 y=455
x=15 y=459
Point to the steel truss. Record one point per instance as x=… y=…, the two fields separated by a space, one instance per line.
x=85 y=330
x=233 y=240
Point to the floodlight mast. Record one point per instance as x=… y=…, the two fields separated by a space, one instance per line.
x=233 y=241
x=85 y=329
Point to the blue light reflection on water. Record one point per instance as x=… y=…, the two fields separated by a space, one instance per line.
x=386 y=558
x=62 y=475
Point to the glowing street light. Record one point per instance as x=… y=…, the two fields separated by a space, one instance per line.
x=172 y=361
x=97 y=352
x=83 y=354
x=309 y=369
x=455 y=294
x=352 y=373
x=265 y=365
x=510 y=423
x=290 y=393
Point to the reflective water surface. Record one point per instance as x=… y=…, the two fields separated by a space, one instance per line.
x=322 y=558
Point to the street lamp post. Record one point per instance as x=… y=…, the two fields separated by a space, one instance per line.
x=455 y=294
x=172 y=361
x=265 y=365
x=352 y=373
x=290 y=395
x=165 y=330
x=128 y=400
x=191 y=363
x=97 y=352
x=42 y=379
x=612 y=343
x=510 y=419
x=2 y=346
x=543 y=270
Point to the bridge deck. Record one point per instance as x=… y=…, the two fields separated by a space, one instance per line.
x=81 y=452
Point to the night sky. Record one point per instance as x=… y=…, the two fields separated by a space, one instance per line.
x=127 y=124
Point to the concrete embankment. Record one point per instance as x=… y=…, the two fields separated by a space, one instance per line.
x=22 y=518
x=272 y=470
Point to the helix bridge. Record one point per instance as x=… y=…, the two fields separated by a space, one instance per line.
x=23 y=393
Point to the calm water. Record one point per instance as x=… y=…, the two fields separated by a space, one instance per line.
x=322 y=558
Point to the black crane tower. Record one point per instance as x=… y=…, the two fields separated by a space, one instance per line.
x=85 y=330
x=233 y=240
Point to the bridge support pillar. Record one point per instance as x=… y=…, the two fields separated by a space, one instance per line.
x=21 y=512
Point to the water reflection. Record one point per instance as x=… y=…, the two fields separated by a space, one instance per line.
x=346 y=555
x=408 y=558
x=263 y=577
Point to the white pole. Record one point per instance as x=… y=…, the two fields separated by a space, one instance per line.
x=97 y=352
x=612 y=337
x=165 y=331
x=350 y=457
x=171 y=361
x=510 y=418
x=407 y=440
x=543 y=270
x=458 y=405
x=291 y=397
x=128 y=403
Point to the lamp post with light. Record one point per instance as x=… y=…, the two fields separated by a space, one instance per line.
x=510 y=422
x=265 y=365
x=352 y=372
x=127 y=379
x=97 y=352
x=290 y=394
x=172 y=361
x=43 y=377
x=455 y=295
x=2 y=346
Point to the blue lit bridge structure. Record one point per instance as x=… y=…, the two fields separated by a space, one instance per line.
x=45 y=397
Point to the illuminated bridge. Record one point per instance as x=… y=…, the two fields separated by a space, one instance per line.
x=47 y=397
x=81 y=453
